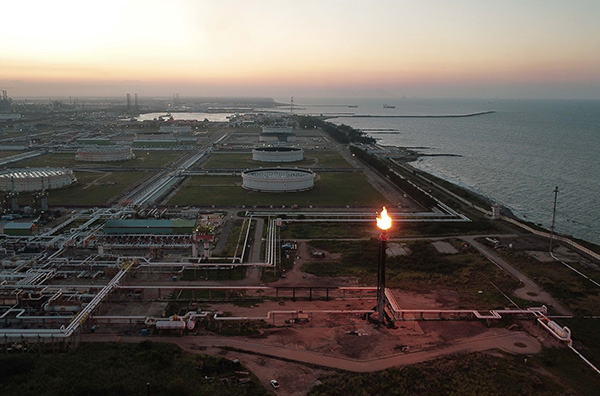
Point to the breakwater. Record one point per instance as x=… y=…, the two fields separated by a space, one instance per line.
x=423 y=116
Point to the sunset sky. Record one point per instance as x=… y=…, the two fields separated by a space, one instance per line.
x=385 y=48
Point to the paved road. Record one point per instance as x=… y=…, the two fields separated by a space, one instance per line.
x=512 y=342
x=530 y=290
x=253 y=274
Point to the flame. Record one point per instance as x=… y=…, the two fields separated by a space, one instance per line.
x=384 y=221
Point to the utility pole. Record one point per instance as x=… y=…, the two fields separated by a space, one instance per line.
x=553 y=218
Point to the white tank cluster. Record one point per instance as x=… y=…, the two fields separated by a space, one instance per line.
x=278 y=154
x=35 y=179
x=278 y=179
x=104 y=153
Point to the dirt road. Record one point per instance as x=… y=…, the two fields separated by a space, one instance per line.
x=530 y=290
x=512 y=342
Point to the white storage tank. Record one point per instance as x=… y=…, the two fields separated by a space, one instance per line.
x=170 y=324
x=35 y=179
x=278 y=179
x=277 y=134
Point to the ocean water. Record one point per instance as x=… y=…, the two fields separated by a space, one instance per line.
x=515 y=156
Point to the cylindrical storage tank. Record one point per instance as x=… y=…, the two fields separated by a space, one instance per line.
x=35 y=179
x=277 y=134
x=104 y=153
x=278 y=179
x=563 y=332
x=170 y=325
x=277 y=154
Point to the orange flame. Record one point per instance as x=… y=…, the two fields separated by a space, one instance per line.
x=384 y=221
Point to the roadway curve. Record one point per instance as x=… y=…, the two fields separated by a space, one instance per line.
x=511 y=342
x=530 y=290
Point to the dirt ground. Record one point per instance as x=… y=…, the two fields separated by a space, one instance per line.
x=330 y=331
x=351 y=335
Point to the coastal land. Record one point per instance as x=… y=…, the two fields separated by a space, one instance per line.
x=470 y=289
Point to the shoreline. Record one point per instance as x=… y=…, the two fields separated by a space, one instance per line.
x=506 y=213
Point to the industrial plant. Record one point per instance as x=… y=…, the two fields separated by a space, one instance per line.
x=163 y=228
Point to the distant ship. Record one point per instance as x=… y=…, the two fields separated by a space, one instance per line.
x=387 y=106
x=353 y=106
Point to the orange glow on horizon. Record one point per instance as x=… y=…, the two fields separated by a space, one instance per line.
x=395 y=49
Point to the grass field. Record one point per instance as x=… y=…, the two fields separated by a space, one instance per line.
x=578 y=294
x=327 y=230
x=4 y=154
x=332 y=189
x=121 y=369
x=423 y=270
x=460 y=375
x=92 y=189
x=235 y=239
x=399 y=229
x=312 y=159
x=143 y=159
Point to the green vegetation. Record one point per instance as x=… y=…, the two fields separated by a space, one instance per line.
x=473 y=374
x=400 y=229
x=341 y=133
x=331 y=189
x=423 y=270
x=234 y=237
x=585 y=336
x=327 y=230
x=4 y=154
x=327 y=159
x=214 y=274
x=52 y=160
x=143 y=159
x=91 y=189
x=569 y=368
x=95 y=189
x=312 y=159
x=578 y=294
x=384 y=167
x=151 y=159
x=122 y=369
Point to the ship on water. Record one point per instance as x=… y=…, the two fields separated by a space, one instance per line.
x=387 y=106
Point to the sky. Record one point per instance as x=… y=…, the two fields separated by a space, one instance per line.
x=318 y=48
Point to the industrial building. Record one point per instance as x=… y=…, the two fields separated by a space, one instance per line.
x=278 y=179
x=18 y=228
x=277 y=154
x=104 y=153
x=175 y=129
x=35 y=179
x=133 y=226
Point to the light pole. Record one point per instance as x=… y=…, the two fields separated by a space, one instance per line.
x=553 y=218
x=384 y=222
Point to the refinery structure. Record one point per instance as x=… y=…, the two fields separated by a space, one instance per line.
x=186 y=235
x=111 y=153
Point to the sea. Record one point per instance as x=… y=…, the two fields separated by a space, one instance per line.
x=515 y=155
